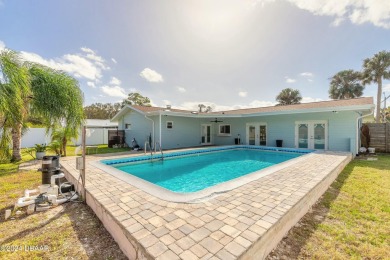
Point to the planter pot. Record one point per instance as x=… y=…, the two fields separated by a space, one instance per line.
x=39 y=155
x=371 y=150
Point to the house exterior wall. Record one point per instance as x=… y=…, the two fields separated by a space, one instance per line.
x=140 y=127
x=186 y=131
x=341 y=129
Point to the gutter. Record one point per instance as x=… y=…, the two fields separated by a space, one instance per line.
x=268 y=113
x=358 y=128
x=152 y=129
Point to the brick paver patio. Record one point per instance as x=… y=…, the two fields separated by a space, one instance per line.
x=245 y=222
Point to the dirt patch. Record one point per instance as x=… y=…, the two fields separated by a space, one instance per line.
x=291 y=245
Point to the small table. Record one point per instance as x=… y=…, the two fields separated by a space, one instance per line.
x=91 y=147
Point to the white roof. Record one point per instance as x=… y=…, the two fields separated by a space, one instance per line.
x=100 y=123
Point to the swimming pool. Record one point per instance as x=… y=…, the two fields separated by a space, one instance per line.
x=200 y=170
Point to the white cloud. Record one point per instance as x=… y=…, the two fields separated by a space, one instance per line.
x=376 y=12
x=114 y=91
x=242 y=93
x=306 y=74
x=2 y=45
x=259 y=103
x=86 y=65
x=193 y=106
x=166 y=102
x=310 y=99
x=115 y=81
x=91 y=84
x=290 y=80
x=114 y=60
x=151 y=75
x=181 y=89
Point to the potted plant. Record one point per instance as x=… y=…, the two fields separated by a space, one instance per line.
x=40 y=151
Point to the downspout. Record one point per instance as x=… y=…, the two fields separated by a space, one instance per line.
x=152 y=129
x=160 y=126
x=358 y=128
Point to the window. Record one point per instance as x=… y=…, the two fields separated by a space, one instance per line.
x=128 y=126
x=224 y=130
x=169 y=124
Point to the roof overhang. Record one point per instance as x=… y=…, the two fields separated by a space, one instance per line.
x=123 y=112
x=364 y=109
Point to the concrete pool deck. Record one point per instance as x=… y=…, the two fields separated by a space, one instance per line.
x=244 y=223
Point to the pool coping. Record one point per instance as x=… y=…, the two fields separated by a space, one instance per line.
x=243 y=223
x=207 y=193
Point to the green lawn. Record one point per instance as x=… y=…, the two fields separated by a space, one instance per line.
x=351 y=220
x=70 y=231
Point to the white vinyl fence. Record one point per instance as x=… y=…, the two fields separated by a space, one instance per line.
x=38 y=136
x=35 y=136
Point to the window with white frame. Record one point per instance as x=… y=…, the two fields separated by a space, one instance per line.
x=224 y=130
x=169 y=125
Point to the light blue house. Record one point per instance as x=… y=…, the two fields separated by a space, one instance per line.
x=327 y=125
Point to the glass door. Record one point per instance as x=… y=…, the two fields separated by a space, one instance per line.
x=303 y=134
x=319 y=136
x=256 y=134
x=311 y=135
x=263 y=135
x=205 y=134
x=252 y=135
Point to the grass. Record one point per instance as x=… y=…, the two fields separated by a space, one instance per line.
x=350 y=221
x=70 y=230
x=102 y=149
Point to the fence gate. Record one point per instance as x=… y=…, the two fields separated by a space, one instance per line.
x=380 y=136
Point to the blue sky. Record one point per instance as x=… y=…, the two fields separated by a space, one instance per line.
x=223 y=53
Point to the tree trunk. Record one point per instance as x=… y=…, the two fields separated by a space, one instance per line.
x=378 y=101
x=16 y=142
x=64 y=141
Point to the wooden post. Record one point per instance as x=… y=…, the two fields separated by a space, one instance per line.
x=83 y=141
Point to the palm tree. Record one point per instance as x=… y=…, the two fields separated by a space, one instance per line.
x=374 y=71
x=28 y=88
x=289 y=96
x=14 y=96
x=346 y=84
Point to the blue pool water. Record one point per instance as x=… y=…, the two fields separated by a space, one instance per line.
x=197 y=172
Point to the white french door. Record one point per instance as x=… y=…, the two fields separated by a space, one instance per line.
x=256 y=133
x=311 y=135
x=206 y=134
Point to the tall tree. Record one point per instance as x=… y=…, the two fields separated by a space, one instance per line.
x=207 y=109
x=374 y=71
x=58 y=99
x=136 y=98
x=289 y=96
x=36 y=90
x=346 y=84
x=14 y=96
x=102 y=111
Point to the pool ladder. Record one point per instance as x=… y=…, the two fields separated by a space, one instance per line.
x=156 y=144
